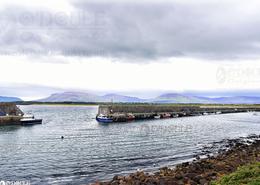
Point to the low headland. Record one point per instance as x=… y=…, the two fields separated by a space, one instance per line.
x=235 y=162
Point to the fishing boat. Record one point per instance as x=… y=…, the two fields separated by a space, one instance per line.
x=30 y=120
x=130 y=117
x=103 y=119
x=157 y=117
x=166 y=115
x=27 y=116
x=175 y=115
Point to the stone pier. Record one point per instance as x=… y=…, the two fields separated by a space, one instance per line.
x=10 y=114
x=122 y=112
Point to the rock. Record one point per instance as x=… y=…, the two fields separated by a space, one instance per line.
x=203 y=182
x=190 y=175
x=179 y=176
x=116 y=177
x=114 y=183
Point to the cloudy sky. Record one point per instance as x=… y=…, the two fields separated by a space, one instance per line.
x=137 y=48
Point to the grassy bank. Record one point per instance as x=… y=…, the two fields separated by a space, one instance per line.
x=249 y=174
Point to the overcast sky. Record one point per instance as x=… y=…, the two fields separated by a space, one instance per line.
x=136 y=48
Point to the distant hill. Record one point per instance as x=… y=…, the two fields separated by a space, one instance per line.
x=238 y=100
x=164 y=98
x=9 y=99
x=87 y=97
x=120 y=98
x=179 y=98
x=71 y=97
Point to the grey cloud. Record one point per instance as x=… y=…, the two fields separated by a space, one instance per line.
x=26 y=90
x=212 y=30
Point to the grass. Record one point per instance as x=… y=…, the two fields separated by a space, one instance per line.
x=249 y=175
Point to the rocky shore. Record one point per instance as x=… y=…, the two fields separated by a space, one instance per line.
x=230 y=155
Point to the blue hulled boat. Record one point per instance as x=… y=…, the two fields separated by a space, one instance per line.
x=103 y=119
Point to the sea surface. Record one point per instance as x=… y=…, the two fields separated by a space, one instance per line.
x=91 y=151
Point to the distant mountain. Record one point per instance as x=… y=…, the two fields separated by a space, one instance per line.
x=71 y=97
x=164 y=98
x=87 y=97
x=179 y=98
x=9 y=99
x=238 y=100
x=120 y=98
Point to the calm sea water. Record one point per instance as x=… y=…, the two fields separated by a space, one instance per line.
x=91 y=151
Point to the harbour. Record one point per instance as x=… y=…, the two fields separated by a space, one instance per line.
x=130 y=92
x=93 y=152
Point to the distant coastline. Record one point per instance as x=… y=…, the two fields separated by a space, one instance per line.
x=124 y=103
x=167 y=98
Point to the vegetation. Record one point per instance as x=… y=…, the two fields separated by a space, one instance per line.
x=249 y=175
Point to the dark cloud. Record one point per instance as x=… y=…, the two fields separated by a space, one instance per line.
x=212 y=30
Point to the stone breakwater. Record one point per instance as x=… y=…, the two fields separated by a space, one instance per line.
x=10 y=114
x=230 y=155
x=129 y=112
x=10 y=120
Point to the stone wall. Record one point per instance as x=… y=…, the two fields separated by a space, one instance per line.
x=10 y=109
x=105 y=109
x=153 y=108
x=10 y=120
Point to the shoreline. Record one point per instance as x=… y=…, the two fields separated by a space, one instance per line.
x=231 y=154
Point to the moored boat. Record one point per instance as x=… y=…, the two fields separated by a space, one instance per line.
x=166 y=115
x=157 y=117
x=175 y=115
x=130 y=117
x=29 y=119
x=28 y=116
x=103 y=119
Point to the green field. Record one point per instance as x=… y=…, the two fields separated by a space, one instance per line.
x=249 y=175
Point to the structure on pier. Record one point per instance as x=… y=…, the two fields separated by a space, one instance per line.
x=10 y=114
x=9 y=109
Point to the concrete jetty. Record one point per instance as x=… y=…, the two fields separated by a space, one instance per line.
x=127 y=112
x=10 y=114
